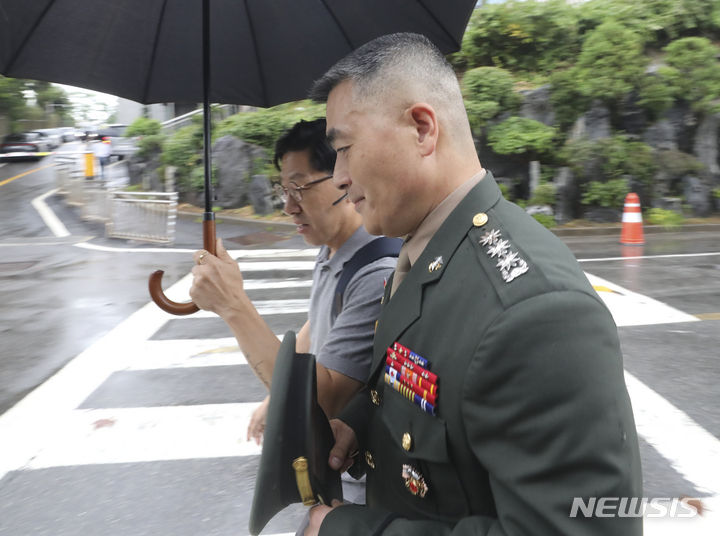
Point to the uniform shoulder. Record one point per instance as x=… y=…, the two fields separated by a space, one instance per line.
x=520 y=257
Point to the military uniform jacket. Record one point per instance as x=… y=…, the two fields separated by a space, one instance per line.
x=532 y=408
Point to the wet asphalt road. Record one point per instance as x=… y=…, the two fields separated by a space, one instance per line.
x=59 y=299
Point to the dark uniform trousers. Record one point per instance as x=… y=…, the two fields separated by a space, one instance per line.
x=532 y=407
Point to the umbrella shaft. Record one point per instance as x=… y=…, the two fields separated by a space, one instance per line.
x=207 y=118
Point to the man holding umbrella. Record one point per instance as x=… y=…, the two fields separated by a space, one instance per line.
x=496 y=395
x=339 y=336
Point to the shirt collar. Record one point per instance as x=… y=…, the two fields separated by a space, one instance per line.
x=345 y=252
x=419 y=239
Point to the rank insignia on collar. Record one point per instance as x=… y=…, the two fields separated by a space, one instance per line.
x=436 y=264
x=510 y=264
x=414 y=481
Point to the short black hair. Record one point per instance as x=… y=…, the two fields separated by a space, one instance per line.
x=310 y=136
x=365 y=64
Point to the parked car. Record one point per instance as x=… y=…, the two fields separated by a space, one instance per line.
x=24 y=145
x=120 y=145
x=52 y=135
x=67 y=134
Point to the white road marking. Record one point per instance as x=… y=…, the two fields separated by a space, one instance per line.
x=35 y=422
x=632 y=309
x=127 y=435
x=669 y=256
x=265 y=307
x=184 y=353
x=267 y=284
x=51 y=220
x=689 y=448
x=180 y=291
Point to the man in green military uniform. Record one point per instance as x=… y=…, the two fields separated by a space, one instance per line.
x=496 y=394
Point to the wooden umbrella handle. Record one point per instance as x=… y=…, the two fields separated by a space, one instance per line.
x=155 y=282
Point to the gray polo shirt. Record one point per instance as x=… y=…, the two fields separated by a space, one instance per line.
x=346 y=345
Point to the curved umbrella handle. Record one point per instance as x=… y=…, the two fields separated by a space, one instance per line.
x=155 y=282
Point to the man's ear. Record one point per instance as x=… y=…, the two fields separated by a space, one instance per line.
x=426 y=125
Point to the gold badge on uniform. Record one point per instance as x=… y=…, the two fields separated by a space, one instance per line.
x=480 y=219
x=414 y=481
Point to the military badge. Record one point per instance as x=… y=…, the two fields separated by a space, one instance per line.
x=509 y=262
x=436 y=264
x=414 y=481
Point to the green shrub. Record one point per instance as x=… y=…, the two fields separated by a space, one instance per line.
x=488 y=91
x=150 y=145
x=519 y=135
x=479 y=113
x=610 y=194
x=667 y=218
x=183 y=150
x=565 y=97
x=490 y=84
x=611 y=64
x=694 y=72
x=656 y=92
x=614 y=157
x=716 y=193
x=544 y=194
x=263 y=127
x=143 y=126
x=676 y=164
x=524 y=36
x=546 y=220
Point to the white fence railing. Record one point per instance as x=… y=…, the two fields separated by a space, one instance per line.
x=143 y=216
x=148 y=216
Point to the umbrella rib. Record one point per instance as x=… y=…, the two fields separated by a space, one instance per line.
x=339 y=25
x=261 y=74
x=19 y=49
x=154 y=52
x=433 y=17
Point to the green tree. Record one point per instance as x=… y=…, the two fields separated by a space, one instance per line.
x=694 y=72
x=657 y=92
x=530 y=35
x=488 y=91
x=183 y=150
x=264 y=127
x=143 y=126
x=609 y=194
x=12 y=101
x=610 y=158
x=519 y=135
x=655 y=22
x=611 y=64
x=566 y=98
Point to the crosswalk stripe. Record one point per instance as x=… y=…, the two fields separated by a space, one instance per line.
x=133 y=435
x=688 y=447
x=632 y=309
x=48 y=430
x=264 y=307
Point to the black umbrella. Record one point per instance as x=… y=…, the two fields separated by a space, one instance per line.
x=253 y=52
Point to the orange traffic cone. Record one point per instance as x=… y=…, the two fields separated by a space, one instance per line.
x=632 y=228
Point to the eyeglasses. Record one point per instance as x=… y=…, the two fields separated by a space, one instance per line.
x=295 y=191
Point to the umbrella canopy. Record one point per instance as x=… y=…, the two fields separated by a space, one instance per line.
x=262 y=52
x=253 y=52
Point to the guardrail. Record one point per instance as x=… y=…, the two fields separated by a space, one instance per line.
x=147 y=216
x=143 y=216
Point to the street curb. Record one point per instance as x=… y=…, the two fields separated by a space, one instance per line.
x=604 y=230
